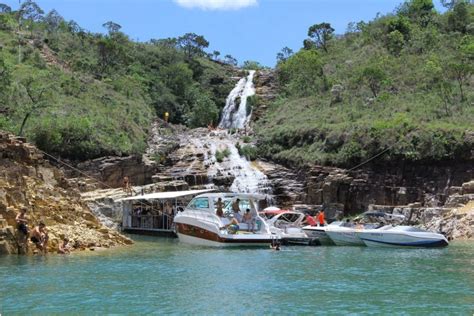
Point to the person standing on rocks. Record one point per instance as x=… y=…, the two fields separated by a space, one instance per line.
x=127 y=187
x=22 y=222
x=39 y=236
x=22 y=226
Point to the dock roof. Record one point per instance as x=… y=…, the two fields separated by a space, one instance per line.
x=164 y=195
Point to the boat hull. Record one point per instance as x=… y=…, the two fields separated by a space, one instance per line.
x=400 y=240
x=345 y=238
x=199 y=236
x=296 y=241
x=320 y=235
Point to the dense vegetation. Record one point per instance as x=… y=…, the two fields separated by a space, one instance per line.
x=400 y=83
x=82 y=95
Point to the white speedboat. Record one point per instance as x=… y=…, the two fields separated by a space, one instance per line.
x=198 y=224
x=287 y=224
x=319 y=233
x=346 y=234
x=401 y=236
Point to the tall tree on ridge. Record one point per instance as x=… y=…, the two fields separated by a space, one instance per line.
x=112 y=27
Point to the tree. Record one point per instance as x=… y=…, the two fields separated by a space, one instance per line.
x=5 y=8
x=308 y=44
x=320 y=34
x=284 y=54
x=461 y=71
x=437 y=78
x=228 y=59
x=448 y=4
x=419 y=11
x=458 y=17
x=216 y=54
x=169 y=42
x=31 y=12
x=34 y=94
x=204 y=112
x=53 y=21
x=111 y=53
x=302 y=74
x=395 y=42
x=74 y=28
x=251 y=65
x=5 y=80
x=400 y=24
x=112 y=27
x=373 y=76
x=192 y=44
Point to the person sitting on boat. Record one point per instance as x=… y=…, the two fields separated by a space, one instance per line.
x=249 y=219
x=310 y=220
x=237 y=217
x=236 y=209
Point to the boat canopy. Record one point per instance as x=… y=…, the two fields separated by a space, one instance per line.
x=216 y=195
x=164 y=195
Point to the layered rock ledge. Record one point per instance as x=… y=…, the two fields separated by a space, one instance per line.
x=27 y=180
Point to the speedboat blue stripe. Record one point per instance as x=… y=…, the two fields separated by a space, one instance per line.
x=439 y=242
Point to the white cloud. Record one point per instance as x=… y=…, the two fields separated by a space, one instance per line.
x=216 y=4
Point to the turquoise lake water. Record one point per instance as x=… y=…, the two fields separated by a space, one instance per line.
x=162 y=276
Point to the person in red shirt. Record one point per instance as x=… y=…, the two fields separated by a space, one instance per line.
x=321 y=219
x=311 y=221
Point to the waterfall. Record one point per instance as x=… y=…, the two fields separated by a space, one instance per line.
x=235 y=115
x=247 y=177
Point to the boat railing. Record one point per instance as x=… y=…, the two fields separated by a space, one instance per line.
x=150 y=222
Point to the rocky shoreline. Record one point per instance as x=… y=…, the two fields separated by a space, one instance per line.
x=28 y=180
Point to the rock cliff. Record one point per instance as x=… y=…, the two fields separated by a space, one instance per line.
x=27 y=180
x=178 y=158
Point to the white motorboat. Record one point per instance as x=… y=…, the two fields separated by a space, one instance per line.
x=198 y=224
x=346 y=234
x=401 y=236
x=319 y=233
x=287 y=224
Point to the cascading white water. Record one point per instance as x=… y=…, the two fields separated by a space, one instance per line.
x=247 y=178
x=235 y=115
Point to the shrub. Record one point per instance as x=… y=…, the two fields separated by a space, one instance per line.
x=249 y=152
x=246 y=139
x=221 y=155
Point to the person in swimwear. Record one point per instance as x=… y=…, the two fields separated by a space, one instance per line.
x=39 y=236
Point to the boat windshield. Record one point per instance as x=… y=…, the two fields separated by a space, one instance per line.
x=206 y=203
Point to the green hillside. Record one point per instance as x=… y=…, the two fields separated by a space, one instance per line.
x=401 y=83
x=82 y=95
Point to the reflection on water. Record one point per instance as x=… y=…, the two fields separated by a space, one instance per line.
x=162 y=275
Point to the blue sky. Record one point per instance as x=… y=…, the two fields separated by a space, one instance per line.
x=246 y=29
